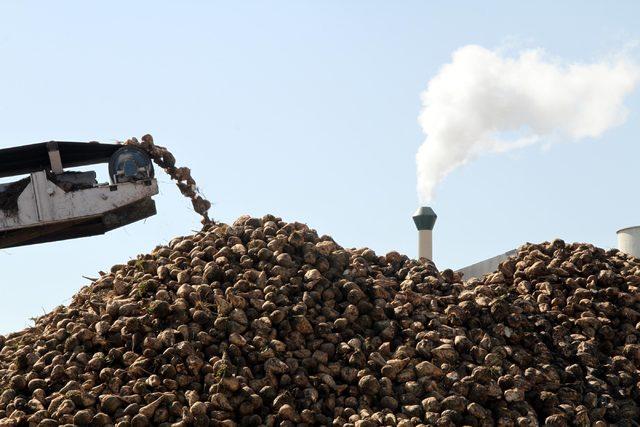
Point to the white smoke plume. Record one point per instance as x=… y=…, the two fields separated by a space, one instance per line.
x=482 y=95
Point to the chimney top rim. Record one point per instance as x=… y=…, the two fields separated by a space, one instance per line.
x=622 y=230
x=425 y=218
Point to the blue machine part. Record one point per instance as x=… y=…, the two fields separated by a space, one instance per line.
x=128 y=164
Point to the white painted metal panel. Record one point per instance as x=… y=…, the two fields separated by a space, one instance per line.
x=481 y=268
x=44 y=202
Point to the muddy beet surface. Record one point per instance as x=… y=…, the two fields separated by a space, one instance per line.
x=266 y=323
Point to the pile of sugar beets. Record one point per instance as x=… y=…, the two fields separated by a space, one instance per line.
x=265 y=323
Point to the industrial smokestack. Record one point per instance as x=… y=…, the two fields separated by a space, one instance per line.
x=629 y=241
x=425 y=219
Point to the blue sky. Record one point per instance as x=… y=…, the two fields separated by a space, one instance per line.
x=307 y=110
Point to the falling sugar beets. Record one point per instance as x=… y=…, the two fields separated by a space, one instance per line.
x=182 y=175
x=264 y=322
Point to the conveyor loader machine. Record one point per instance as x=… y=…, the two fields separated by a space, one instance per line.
x=51 y=204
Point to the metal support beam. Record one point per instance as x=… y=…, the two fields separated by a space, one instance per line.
x=54 y=157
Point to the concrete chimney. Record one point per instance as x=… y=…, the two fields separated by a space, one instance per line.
x=425 y=219
x=629 y=241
